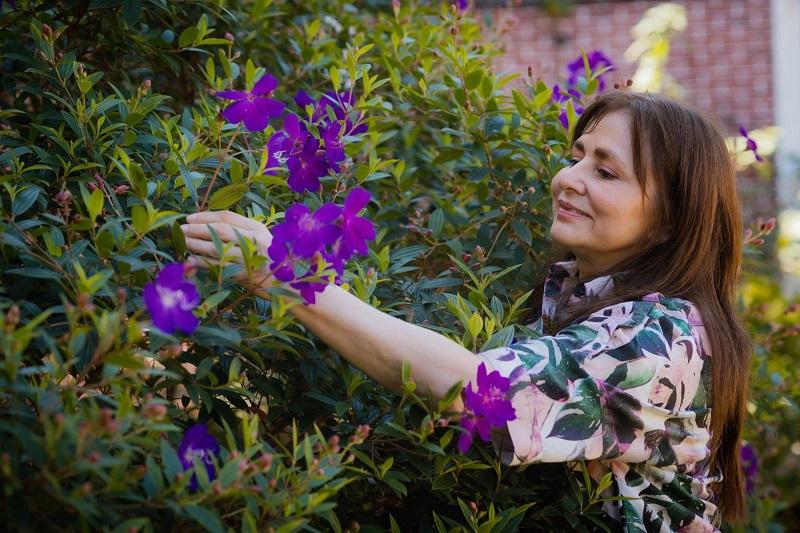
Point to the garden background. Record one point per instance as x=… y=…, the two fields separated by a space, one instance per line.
x=118 y=117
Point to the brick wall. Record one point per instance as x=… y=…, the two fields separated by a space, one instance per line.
x=722 y=59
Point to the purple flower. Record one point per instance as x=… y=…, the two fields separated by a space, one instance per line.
x=339 y=105
x=564 y=119
x=486 y=407
x=309 y=232
x=750 y=465
x=198 y=443
x=462 y=5
x=306 y=167
x=254 y=107
x=170 y=300
x=334 y=149
x=356 y=230
x=597 y=60
x=751 y=144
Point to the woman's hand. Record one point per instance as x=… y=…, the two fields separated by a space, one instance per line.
x=227 y=225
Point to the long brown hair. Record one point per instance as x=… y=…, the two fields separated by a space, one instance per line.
x=695 y=254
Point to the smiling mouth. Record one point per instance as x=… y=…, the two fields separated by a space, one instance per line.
x=571 y=210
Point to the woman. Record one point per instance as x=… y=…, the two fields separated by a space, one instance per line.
x=648 y=236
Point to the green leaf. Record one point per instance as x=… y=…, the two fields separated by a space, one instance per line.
x=140 y=218
x=227 y=196
x=96 y=202
x=170 y=460
x=188 y=36
x=24 y=200
x=522 y=231
x=208 y=518
x=474 y=78
x=437 y=222
x=236 y=171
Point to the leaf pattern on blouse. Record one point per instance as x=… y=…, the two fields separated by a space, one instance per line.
x=625 y=389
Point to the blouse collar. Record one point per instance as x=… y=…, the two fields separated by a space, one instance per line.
x=557 y=282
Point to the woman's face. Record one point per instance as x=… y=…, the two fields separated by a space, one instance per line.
x=614 y=216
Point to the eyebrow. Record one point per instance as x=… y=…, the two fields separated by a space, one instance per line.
x=605 y=154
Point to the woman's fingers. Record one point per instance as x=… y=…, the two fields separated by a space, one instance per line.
x=226 y=232
x=225 y=217
x=207 y=248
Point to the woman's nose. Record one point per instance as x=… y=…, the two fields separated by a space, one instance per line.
x=573 y=177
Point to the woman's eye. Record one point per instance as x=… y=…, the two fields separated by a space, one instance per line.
x=606 y=175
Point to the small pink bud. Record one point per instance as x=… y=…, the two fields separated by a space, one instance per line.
x=121 y=189
x=265 y=461
x=229 y=36
x=12 y=316
x=47 y=30
x=91 y=186
x=64 y=197
x=155 y=411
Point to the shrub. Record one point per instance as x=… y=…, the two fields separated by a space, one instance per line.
x=112 y=132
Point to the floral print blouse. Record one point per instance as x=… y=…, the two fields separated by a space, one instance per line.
x=625 y=390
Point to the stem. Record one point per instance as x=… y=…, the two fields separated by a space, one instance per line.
x=216 y=171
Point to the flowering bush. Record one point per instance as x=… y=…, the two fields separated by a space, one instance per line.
x=139 y=393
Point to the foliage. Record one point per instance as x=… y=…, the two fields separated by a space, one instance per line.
x=111 y=133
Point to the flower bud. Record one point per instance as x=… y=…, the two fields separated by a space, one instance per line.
x=64 y=197
x=229 y=36
x=47 y=30
x=758 y=242
x=91 y=186
x=155 y=411
x=396 y=7
x=453 y=30
x=530 y=71
x=190 y=267
x=473 y=506
x=60 y=56
x=442 y=422
x=121 y=189
x=769 y=225
x=265 y=461
x=12 y=316
x=84 y=302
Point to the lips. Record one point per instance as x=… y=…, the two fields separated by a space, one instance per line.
x=569 y=207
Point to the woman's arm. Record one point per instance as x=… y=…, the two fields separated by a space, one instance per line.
x=378 y=343
x=368 y=338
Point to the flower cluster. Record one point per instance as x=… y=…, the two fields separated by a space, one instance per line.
x=576 y=71
x=751 y=144
x=332 y=233
x=297 y=147
x=486 y=408
x=170 y=300
x=198 y=443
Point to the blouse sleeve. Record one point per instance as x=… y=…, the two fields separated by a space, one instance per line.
x=625 y=383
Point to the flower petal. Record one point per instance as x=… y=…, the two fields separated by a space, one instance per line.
x=265 y=85
x=269 y=107
x=356 y=201
x=231 y=95
x=236 y=112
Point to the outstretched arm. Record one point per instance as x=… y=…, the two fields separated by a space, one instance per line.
x=368 y=338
